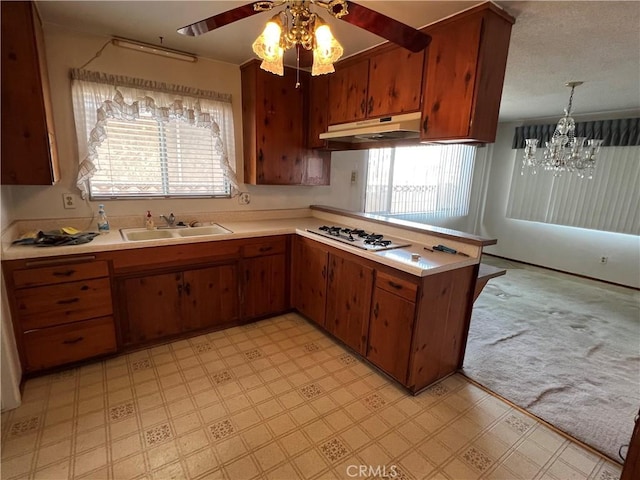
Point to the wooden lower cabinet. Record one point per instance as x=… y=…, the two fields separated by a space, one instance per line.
x=265 y=279
x=631 y=468
x=210 y=297
x=390 y=332
x=53 y=346
x=163 y=305
x=413 y=328
x=61 y=310
x=309 y=278
x=348 y=301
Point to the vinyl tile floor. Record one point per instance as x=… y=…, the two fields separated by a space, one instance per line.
x=276 y=399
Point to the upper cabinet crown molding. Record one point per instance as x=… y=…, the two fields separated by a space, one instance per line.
x=29 y=154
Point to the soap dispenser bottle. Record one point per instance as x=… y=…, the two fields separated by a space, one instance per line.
x=103 y=222
x=149 y=221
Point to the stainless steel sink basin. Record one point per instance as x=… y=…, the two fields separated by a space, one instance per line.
x=214 y=229
x=141 y=234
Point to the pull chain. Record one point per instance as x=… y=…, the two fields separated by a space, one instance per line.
x=298 y=65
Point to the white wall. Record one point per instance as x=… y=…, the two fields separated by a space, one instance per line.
x=66 y=49
x=10 y=371
x=569 y=249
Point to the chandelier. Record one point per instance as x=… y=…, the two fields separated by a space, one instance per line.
x=564 y=152
x=297 y=26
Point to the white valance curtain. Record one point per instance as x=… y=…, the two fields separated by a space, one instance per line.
x=98 y=97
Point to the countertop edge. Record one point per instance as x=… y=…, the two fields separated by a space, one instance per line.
x=411 y=226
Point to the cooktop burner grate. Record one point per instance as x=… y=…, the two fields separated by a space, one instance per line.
x=359 y=238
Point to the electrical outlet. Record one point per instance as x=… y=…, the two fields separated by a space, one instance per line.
x=69 y=200
x=604 y=259
x=244 y=198
x=354 y=176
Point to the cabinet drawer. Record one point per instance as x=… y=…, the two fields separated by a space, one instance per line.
x=69 y=272
x=268 y=247
x=49 y=347
x=403 y=288
x=68 y=302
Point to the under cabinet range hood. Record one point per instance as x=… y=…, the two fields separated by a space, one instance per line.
x=395 y=127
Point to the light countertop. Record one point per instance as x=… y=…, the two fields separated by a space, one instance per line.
x=401 y=258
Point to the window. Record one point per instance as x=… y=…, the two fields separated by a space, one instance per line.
x=142 y=143
x=434 y=180
x=608 y=202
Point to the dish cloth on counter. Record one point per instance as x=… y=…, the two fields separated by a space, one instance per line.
x=56 y=238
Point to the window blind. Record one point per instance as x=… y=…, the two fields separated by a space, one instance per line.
x=146 y=157
x=434 y=180
x=141 y=138
x=608 y=202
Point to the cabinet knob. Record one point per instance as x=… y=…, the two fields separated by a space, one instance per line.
x=187 y=288
x=376 y=309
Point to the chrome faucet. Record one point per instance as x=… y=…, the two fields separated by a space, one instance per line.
x=171 y=219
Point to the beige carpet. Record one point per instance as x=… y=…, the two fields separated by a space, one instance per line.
x=564 y=348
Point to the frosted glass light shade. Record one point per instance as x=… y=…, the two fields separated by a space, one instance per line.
x=267 y=45
x=326 y=52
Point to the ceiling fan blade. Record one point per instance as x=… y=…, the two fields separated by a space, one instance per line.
x=217 y=21
x=386 y=27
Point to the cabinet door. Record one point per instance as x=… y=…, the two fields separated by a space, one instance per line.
x=395 y=82
x=309 y=279
x=264 y=286
x=152 y=307
x=210 y=297
x=450 y=79
x=348 y=93
x=318 y=111
x=348 y=301
x=273 y=142
x=390 y=329
x=27 y=122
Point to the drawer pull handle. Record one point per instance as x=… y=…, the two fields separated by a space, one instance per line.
x=42 y=263
x=66 y=273
x=395 y=285
x=71 y=342
x=376 y=310
x=67 y=302
x=265 y=249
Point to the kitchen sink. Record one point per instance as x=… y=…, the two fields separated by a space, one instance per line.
x=214 y=229
x=141 y=234
x=138 y=234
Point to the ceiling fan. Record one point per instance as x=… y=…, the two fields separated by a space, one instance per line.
x=301 y=27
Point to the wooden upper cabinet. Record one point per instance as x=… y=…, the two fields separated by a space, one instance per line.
x=395 y=82
x=348 y=93
x=274 y=130
x=464 y=74
x=29 y=155
x=318 y=111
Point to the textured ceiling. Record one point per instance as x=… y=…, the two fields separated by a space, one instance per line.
x=552 y=42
